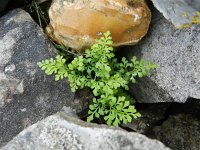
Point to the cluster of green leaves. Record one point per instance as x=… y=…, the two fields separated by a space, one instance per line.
x=99 y=70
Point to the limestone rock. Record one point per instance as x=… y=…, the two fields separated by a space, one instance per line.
x=182 y=13
x=26 y=93
x=79 y=23
x=63 y=132
x=176 y=53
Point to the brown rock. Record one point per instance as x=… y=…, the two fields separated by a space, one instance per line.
x=78 y=23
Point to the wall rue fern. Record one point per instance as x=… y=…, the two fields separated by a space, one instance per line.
x=99 y=70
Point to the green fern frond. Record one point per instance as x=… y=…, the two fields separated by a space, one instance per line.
x=99 y=70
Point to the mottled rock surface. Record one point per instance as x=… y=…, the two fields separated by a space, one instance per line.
x=79 y=23
x=176 y=53
x=180 y=132
x=182 y=13
x=63 y=132
x=26 y=94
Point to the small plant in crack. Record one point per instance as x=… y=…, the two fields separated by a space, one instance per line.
x=99 y=70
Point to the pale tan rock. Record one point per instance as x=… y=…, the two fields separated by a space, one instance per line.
x=78 y=23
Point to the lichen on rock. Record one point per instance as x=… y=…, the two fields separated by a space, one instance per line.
x=182 y=13
x=58 y=137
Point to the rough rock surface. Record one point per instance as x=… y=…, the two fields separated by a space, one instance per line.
x=63 y=132
x=79 y=23
x=26 y=94
x=182 y=13
x=176 y=52
x=180 y=132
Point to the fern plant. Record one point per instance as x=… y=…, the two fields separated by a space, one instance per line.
x=99 y=70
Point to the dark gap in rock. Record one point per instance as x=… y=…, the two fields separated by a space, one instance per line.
x=19 y=4
x=8 y=5
x=152 y=115
x=82 y=99
x=192 y=106
x=32 y=7
x=127 y=128
x=39 y=12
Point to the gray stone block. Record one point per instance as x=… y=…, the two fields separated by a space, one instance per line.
x=27 y=95
x=182 y=13
x=177 y=54
x=62 y=132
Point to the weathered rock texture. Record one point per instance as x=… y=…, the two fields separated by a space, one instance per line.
x=182 y=13
x=180 y=132
x=62 y=132
x=79 y=23
x=26 y=94
x=176 y=52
